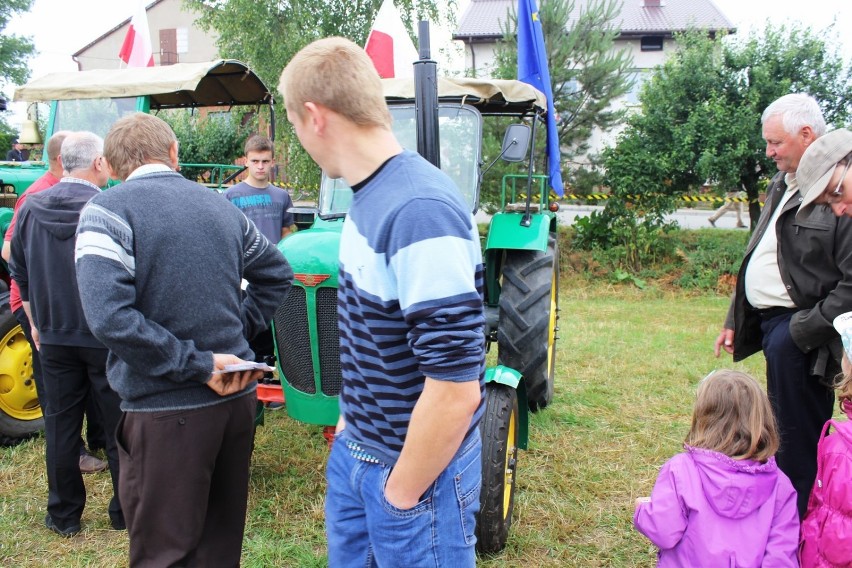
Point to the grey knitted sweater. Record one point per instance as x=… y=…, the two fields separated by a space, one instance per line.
x=159 y=262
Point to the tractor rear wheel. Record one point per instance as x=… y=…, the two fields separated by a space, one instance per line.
x=20 y=412
x=499 y=430
x=529 y=306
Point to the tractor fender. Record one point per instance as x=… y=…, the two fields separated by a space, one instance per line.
x=506 y=232
x=6 y=215
x=504 y=375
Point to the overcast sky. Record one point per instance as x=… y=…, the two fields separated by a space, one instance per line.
x=62 y=27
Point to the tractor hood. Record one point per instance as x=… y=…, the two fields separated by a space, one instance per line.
x=224 y=82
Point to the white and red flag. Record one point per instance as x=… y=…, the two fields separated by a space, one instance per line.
x=136 y=50
x=389 y=45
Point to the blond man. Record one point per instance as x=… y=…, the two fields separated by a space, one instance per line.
x=407 y=460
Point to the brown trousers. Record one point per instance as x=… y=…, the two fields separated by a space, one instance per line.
x=183 y=483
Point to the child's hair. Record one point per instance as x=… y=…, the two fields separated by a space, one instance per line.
x=843 y=386
x=732 y=415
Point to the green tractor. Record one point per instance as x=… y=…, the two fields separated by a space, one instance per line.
x=522 y=267
x=93 y=101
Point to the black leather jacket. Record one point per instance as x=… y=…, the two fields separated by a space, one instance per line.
x=815 y=260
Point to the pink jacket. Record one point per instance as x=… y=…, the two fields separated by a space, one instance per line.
x=827 y=528
x=708 y=509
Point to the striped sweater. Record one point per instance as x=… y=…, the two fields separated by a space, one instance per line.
x=410 y=300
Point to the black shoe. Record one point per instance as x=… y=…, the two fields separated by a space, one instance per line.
x=66 y=532
x=118 y=524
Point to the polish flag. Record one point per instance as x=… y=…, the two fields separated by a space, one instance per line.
x=389 y=45
x=136 y=50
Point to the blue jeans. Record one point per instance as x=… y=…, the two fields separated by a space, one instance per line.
x=364 y=530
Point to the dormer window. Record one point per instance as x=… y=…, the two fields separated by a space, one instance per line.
x=652 y=43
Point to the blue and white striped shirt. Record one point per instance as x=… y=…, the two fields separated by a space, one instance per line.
x=410 y=300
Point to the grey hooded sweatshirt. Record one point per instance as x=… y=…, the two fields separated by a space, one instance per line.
x=42 y=262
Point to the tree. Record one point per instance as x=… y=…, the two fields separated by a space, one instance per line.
x=702 y=108
x=15 y=50
x=588 y=74
x=266 y=34
x=700 y=119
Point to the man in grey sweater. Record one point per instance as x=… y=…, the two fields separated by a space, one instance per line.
x=160 y=261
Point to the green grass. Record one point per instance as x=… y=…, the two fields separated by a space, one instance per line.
x=628 y=362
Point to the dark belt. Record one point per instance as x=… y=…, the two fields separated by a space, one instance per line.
x=769 y=313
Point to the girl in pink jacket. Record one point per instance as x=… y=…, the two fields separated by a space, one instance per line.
x=723 y=501
x=827 y=527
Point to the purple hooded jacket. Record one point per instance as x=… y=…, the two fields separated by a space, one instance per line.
x=708 y=509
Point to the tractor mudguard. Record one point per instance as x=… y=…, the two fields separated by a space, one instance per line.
x=504 y=375
x=6 y=215
x=506 y=232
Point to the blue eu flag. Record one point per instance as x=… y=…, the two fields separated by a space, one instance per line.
x=532 y=69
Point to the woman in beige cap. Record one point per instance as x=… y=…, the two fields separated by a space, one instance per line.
x=823 y=173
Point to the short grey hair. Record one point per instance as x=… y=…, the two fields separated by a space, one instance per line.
x=797 y=110
x=80 y=149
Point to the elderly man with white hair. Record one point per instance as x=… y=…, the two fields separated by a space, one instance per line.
x=73 y=361
x=795 y=278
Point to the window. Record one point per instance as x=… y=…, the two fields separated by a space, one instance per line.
x=652 y=43
x=639 y=77
x=182 y=36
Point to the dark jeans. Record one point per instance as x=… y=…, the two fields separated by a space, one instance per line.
x=95 y=434
x=184 y=483
x=70 y=375
x=802 y=405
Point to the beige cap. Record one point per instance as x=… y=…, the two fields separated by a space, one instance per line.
x=817 y=164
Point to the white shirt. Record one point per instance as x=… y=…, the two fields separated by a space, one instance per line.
x=149 y=169
x=763 y=285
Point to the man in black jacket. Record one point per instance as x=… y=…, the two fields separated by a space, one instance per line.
x=796 y=277
x=15 y=154
x=73 y=361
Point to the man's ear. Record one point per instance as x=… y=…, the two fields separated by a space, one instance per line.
x=173 y=155
x=808 y=136
x=316 y=116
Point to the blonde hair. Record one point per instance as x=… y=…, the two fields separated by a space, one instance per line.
x=732 y=415
x=54 y=144
x=843 y=387
x=135 y=140
x=339 y=75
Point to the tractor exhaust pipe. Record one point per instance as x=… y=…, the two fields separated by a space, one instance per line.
x=426 y=99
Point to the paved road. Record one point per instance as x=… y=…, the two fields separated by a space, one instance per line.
x=685 y=218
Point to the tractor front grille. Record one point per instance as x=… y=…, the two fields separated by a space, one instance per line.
x=292 y=336
x=329 y=341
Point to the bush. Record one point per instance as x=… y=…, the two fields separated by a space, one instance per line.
x=706 y=259
x=217 y=138
x=712 y=258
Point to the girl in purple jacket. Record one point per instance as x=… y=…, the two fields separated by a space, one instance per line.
x=723 y=501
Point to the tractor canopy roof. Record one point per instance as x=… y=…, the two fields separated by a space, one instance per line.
x=225 y=82
x=489 y=96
